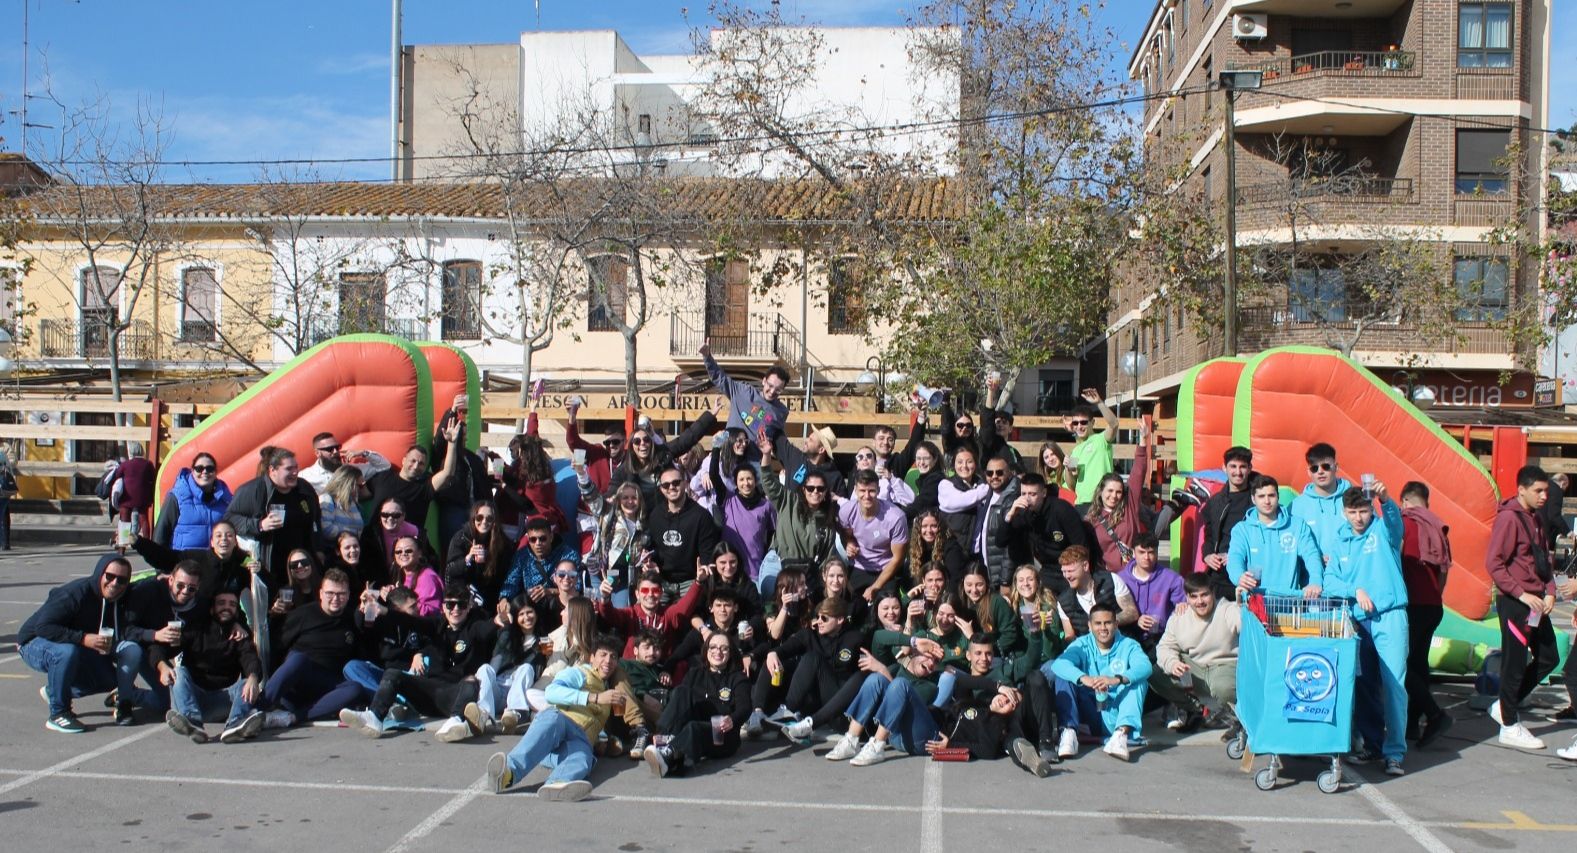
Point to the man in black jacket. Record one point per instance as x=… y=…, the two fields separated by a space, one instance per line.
x=280 y=511
x=77 y=640
x=157 y=609
x=682 y=533
x=442 y=676
x=221 y=566
x=1222 y=512
x=219 y=668
x=1038 y=527
x=318 y=640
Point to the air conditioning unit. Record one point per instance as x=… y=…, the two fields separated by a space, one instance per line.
x=1250 y=27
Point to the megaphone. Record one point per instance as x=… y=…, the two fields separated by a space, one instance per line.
x=931 y=397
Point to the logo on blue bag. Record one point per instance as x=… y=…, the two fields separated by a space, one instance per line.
x=1311 y=685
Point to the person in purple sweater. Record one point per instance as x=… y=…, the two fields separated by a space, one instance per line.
x=748 y=519
x=1157 y=591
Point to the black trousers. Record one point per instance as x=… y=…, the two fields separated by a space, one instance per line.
x=1035 y=720
x=431 y=696
x=1527 y=656
x=1422 y=620
x=687 y=719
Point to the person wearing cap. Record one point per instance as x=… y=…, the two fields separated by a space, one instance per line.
x=816 y=456
x=757 y=411
x=330 y=457
x=470 y=482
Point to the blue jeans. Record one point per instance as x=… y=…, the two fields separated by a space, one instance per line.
x=309 y=691
x=555 y=741
x=71 y=671
x=365 y=674
x=896 y=707
x=767 y=574
x=198 y=703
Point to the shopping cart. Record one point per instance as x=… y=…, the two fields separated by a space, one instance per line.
x=1297 y=659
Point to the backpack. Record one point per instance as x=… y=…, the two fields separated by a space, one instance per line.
x=102 y=490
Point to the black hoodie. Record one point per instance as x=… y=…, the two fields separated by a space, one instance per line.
x=208 y=652
x=75 y=609
x=328 y=641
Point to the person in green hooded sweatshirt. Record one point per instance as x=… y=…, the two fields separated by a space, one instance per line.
x=1366 y=566
x=1268 y=546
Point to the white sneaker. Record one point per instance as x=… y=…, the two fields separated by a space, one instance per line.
x=873 y=752
x=1117 y=745
x=799 y=731
x=453 y=730
x=847 y=747
x=564 y=792
x=1068 y=744
x=1518 y=736
x=279 y=720
x=1570 y=752
x=362 y=722
x=753 y=725
x=1494 y=713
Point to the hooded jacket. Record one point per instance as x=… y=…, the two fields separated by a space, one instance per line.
x=1510 y=556
x=212 y=658
x=1426 y=555
x=1084 y=657
x=1370 y=561
x=1224 y=511
x=75 y=609
x=188 y=515
x=1322 y=513
x=1273 y=552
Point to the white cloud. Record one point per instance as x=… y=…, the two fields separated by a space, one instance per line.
x=286 y=127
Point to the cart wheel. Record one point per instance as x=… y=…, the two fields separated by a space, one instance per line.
x=1330 y=781
x=1265 y=779
x=1236 y=747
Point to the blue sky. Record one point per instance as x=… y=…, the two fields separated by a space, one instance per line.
x=287 y=79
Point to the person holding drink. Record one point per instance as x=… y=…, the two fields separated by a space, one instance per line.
x=279 y=511
x=704 y=713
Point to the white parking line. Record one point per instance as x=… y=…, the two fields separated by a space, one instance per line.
x=1426 y=839
x=931 y=810
x=56 y=769
x=446 y=811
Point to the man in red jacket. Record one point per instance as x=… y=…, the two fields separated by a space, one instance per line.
x=669 y=623
x=1525 y=594
x=1426 y=557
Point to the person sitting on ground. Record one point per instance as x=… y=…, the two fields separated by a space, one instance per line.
x=279 y=511
x=156 y=610
x=1157 y=591
x=728 y=572
x=517 y=658
x=1037 y=527
x=722 y=614
x=648 y=683
x=441 y=679
x=898 y=702
x=1022 y=718
x=221 y=567
x=822 y=681
x=390 y=638
x=77 y=640
x=330 y=458
x=835 y=586
x=1101 y=684
x=1271 y=551
x=1221 y=513
x=561 y=736
x=704 y=713
x=317 y=642
x=198 y=501
x=219 y=670
x=1088 y=587
x=1366 y=565
x=1198 y=656
x=989 y=613
x=1036 y=608
x=1426 y=559
x=875 y=537
x=301 y=591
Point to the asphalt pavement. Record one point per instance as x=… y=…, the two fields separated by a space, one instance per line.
x=323 y=788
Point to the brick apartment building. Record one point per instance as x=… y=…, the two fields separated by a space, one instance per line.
x=1412 y=102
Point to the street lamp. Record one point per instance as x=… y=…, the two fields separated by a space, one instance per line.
x=1133 y=364
x=874 y=376
x=1233 y=82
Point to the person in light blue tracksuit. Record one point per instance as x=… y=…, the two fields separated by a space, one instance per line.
x=1107 y=675
x=1269 y=544
x=1366 y=565
x=1320 y=505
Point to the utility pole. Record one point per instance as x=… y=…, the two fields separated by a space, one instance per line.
x=394 y=92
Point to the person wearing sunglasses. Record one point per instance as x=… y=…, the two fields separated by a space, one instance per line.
x=213 y=667
x=683 y=534
x=470 y=481
x=300 y=591
x=1091 y=456
x=480 y=552
x=533 y=567
x=412 y=568
x=440 y=680
x=1320 y=504
x=76 y=639
x=388 y=524
x=703 y=716
x=996 y=424
x=648 y=612
x=328 y=456
x=158 y=608
x=807 y=521
x=190 y=510
x=645 y=459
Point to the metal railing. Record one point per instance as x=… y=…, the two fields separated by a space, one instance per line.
x=1356 y=188
x=324 y=328
x=1326 y=61
x=766 y=336
x=91 y=339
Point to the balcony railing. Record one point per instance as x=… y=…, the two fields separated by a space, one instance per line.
x=1353 y=188
x=410 y=329
x=77 y=339
x=766 y=337
x=1372 y=62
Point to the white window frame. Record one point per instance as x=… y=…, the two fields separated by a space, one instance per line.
x=180 y=307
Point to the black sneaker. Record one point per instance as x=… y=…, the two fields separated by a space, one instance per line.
x=1191 y=722
x=1048 y=753
x=1434 y=728
x=66 y=723
x=1365 y=756
x=125 y=717
x=111 y=699
x=640 y=738
x=1184 y=499
x=1567 y=713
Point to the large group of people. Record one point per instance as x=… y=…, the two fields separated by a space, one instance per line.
x=951 y=597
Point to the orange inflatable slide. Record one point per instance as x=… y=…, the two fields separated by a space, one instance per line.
x=1292 y=397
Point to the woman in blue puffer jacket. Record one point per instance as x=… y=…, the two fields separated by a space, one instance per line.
x=199 y=499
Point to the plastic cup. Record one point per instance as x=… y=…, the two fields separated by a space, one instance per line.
x=277 y=511
x=177 y=624
x=580 y=457
x=743 y=628
x=1535 y=616
x=717 y=729
x=125 y=534
x=287 y=595
x=546 y=645
x=617 y=705
x=1027 y=613
x=106 y=631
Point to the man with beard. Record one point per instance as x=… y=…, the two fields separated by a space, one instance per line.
x=217 y=670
